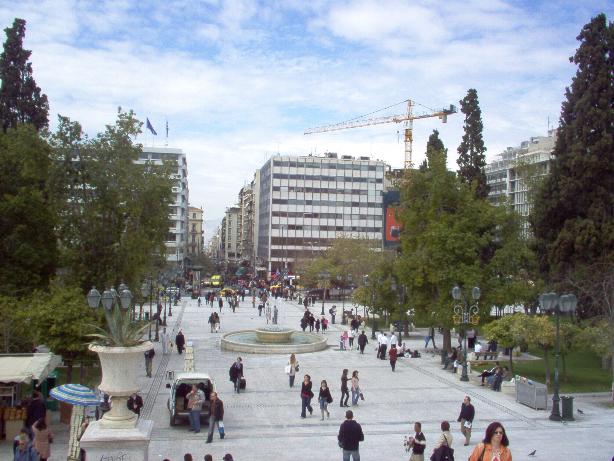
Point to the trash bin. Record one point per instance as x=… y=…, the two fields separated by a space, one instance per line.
x=567 y=404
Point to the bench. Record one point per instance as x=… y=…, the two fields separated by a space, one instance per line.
x=487 y=355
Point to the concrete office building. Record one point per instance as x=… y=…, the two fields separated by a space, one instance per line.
x=230 y=235
x=177 y=236
x=510 y=175
x=304 y=203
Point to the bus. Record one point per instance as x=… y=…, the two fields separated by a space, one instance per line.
x=216 y=280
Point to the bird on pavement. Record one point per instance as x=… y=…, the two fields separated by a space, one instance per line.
x=580 y=411
x=533 y=453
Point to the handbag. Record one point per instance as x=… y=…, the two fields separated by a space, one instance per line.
x=296 y=368
x=443 y=453
x=287 y=369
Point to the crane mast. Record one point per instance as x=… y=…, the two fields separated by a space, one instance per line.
x=407 y=118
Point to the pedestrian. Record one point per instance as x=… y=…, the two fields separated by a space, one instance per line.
x=220 y=302
x=344 y=388
x=149 y=355
x=362 y=341
x=43 y=438
x=292 y=368
x=355 y=388
x=24 y=450
x=392 y=355
x=430 y=337
x=465 y=418
x=228 y=457
x=349 y=437
x=180 y=341
x=208 y=457
x=317 y=325
x=417 y=443
x=275 y=314
x=196 y=399
x=268 y=312
x=216 y=417
x=342 y=340
x=199 y=301
x=445 y=438
x=236 y=373
x=135 y=403
x=35 y=410
x=383 y=346
x=211 y=321
x=216 y=322
x=324 y=323
x=164 y=339
x=393 y=340
x=311 y=321
x=260 y=307
x=494 y=445
x=351 y=336
x=254 y=302
x=324 y=398
x=306 y=396
x=333 y=312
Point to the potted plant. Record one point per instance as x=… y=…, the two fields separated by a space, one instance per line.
x=120 y=348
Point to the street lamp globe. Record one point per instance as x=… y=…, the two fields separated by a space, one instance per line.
x=568 y=303
x=125 y=298
x=107 y=299
x=93 y=298
x=456 y=293
x=475 y=293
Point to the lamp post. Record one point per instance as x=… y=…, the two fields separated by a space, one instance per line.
x=465 y=314
x=324 y=277
x=565 y=304
x=147 y=292
x=109 y=298
x=367 y=283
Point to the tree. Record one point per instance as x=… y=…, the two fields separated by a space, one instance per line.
x=21 y=100
x=28 y=248
x=540 y=332
x=508 y=331
x=114 y=219
x=573 y=217
x=451 y=237
x=471 y=159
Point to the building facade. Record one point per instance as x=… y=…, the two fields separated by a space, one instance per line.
x=516 y=169
x=246 y=223
x=230 y=235
x=196 y=237
x=305 y=203
x=177 y=237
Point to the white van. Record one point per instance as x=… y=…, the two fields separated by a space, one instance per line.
x=180 y=386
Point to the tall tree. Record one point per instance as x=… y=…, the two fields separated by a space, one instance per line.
x=28 y=248
x=471 y=159
x=21 y=100
x=114 y=218
x=573 y=217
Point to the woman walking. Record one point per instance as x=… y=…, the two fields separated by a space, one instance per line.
x=392 y=355
x=306 y=396
x=344 y=388
x=355 y=388
x=494 y=445
x=293 y=364
x=445 y=438
x=324 y=398
x=42 y=439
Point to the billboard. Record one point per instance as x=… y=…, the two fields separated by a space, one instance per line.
x=392 y=226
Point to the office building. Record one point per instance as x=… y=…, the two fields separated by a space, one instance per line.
x=177 y=236
x=196 y=237
x=305 y=203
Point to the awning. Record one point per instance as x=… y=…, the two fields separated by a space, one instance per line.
x=23 y=368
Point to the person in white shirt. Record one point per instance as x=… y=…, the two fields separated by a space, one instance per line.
x=351 y=336
x=383 y=347
x=393 y=339
x=478 y=347
x=379 y=343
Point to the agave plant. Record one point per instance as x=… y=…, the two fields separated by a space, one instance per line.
x=121 y=330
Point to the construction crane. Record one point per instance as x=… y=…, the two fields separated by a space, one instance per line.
x=407 y=118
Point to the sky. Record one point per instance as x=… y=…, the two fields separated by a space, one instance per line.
x=241 y=80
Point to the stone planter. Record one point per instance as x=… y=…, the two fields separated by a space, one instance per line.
x=119 y=379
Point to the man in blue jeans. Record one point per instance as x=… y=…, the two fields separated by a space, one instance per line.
x=196 y=399
x=349 y=437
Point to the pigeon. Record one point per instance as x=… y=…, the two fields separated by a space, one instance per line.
x=580 y=411
x=533 y=453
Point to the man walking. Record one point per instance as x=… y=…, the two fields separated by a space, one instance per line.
x=430 y=337
x=349 y=437
x=236 y=373
x=467 y=413
x=383 y=346
x=196 y=399
x=418 y=443
x=180 y=341
x=362 y=341
x=216 y=417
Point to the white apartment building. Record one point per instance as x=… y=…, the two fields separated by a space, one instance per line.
x=508 y=176
x=304 y=203
x=177 y=237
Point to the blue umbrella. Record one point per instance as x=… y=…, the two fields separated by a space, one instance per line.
x=75 y=394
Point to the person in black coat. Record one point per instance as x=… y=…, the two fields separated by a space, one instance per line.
x=362 y=341
x=467 y=413
x=135 y=403
x=236 y=373
x=324 y=398
x=36 y=409
x=306 y=396
x=345 y=391
x=349 y=437
x=180 y=341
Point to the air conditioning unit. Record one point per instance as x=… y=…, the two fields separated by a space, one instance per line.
x=347 y=157
x=365 y=158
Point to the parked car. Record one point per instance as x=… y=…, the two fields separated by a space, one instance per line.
x=180 y=386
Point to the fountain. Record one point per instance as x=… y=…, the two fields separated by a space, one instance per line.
x=273 y=340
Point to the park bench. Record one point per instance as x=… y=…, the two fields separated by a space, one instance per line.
x=486 y=355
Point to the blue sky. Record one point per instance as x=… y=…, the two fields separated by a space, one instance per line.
x=240 y=80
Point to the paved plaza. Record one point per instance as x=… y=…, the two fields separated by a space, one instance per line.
x=264 y=422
